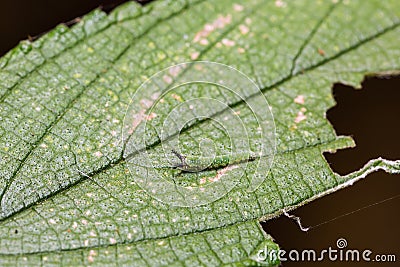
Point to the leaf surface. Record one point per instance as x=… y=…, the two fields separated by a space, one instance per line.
x=65 y=190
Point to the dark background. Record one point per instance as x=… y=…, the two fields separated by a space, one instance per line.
x=370 y=115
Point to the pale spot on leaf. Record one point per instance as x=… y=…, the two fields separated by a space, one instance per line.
x=300 y=117
x=194 y=55
x=167 y=79
x=280 y=3
x=222 y=172
x=155 y=96
x=204 y=42
x=238 y=7
x=243 y=29
x=151 y=116
x=299 y=99
x=145 y=103
x=228 y=42
x=219 y=23
x=174 y=71
x=177 y=97
x=90 y=259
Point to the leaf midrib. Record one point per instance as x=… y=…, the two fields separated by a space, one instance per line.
x=93 y=174
x=146 y=239
x=264 y=89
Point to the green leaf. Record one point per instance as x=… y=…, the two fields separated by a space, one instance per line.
x=67 y=196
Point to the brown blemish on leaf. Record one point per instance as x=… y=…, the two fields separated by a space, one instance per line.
x=241 y=50
x=177 y=97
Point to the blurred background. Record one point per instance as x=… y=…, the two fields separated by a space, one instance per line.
x=371 y=116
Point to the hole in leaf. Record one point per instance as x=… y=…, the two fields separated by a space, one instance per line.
x=108 y=6
x=144 y=2
x=25 y=19
x=371 y=116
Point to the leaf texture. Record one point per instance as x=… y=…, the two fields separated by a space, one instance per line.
x=66 y=195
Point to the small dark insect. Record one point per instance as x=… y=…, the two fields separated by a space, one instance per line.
x=181 y=158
